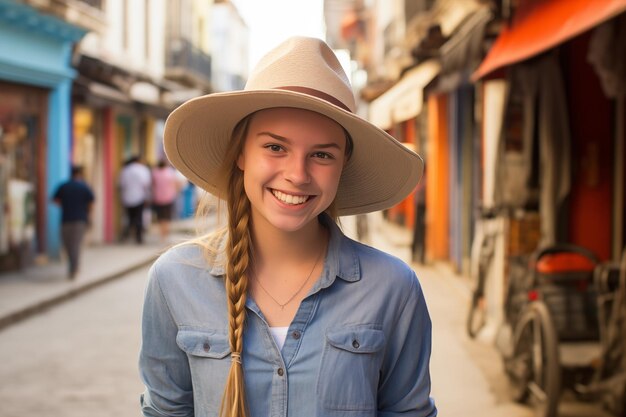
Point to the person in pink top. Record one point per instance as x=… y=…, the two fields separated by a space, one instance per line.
x=165 y=187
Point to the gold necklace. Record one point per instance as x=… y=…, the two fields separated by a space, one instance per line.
x=282 y=306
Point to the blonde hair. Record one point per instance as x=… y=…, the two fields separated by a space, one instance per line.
x=238 y=254
x=238 y=259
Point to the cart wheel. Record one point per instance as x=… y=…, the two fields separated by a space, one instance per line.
x=534 y=368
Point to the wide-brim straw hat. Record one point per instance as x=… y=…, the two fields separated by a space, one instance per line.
x=303 y=73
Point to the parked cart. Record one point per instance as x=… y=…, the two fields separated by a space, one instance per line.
x=567 y=315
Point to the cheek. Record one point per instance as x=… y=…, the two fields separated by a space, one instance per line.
x=331 y=179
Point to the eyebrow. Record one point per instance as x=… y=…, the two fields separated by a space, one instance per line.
x=286 y=140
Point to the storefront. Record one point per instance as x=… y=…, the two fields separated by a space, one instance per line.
x=23 y=113
x=563 y=119
x=116 y=115
x=397 y=111
x=35 y=120
x=553 y=131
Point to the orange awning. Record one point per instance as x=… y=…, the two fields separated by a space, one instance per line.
x=543 y=26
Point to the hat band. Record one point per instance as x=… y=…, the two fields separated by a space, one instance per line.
x=316 y=93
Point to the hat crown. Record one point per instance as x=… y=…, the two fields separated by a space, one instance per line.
x=303 y=63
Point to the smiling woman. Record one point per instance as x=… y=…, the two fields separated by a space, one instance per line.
x=280 y=311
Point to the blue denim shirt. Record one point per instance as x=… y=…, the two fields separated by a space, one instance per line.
x=359 y=344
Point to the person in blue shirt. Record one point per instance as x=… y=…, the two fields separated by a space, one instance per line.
x=75 y=199
x=279 y=313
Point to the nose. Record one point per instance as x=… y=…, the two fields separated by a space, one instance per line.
x=297 y=170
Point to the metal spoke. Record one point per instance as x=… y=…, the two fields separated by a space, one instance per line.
x=537 y=349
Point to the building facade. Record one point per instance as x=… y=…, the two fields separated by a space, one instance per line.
x=91 y=83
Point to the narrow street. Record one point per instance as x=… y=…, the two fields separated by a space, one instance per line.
x=516 y=109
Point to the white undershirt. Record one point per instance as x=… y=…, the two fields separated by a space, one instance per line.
x=279 y=334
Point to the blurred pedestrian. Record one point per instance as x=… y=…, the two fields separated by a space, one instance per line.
x=165 y=187
x=75 y=198
x=280 y=313
x=135 y=183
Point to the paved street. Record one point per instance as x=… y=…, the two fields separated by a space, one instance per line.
x=459 y=386
x=79 y=358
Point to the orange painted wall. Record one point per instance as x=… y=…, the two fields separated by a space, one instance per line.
x=404 y=212
x=409 y=202
x=437 y=180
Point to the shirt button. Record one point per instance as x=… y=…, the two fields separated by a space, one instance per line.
x=206 y=347
x=296 y=335
x=280 y=372
x=355 y=344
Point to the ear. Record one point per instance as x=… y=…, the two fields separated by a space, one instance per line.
x=241 y=160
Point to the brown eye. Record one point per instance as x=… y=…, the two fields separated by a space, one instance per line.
x=323 y=155
x=274 y=147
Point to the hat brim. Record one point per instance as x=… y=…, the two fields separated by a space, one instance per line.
x=381 y=171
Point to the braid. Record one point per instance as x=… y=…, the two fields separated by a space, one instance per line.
x=238 y=260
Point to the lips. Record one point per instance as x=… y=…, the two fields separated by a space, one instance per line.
x=290 y=199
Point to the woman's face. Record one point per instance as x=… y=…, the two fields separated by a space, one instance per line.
x=291 y=162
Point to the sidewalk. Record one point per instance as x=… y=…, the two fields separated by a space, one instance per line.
x=37 y=288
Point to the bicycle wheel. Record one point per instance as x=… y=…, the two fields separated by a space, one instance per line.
x=534 y=369
x=477 y=315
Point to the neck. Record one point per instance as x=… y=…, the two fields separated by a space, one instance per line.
x=271 y=244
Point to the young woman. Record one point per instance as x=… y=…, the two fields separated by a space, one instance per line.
x=281 y=314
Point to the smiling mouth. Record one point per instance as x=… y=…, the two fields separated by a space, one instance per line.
x=290 y=199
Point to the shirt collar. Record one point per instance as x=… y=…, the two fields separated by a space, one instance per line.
x=217 y=266
x=341 y=258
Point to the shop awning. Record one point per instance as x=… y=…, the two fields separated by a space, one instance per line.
x=463 y=52
x=404 y=100
x=544 y=26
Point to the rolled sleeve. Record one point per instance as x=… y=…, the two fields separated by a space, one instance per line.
x=163 y=366
x=405 y=381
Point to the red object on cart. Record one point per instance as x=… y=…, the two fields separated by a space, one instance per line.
x=555 y=263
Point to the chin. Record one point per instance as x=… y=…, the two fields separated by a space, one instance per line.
x=290 y=226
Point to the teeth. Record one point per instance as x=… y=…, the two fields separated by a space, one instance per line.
x=290 y=199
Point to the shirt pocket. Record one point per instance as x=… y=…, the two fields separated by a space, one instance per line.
x=208 y=353
x=350 y=368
